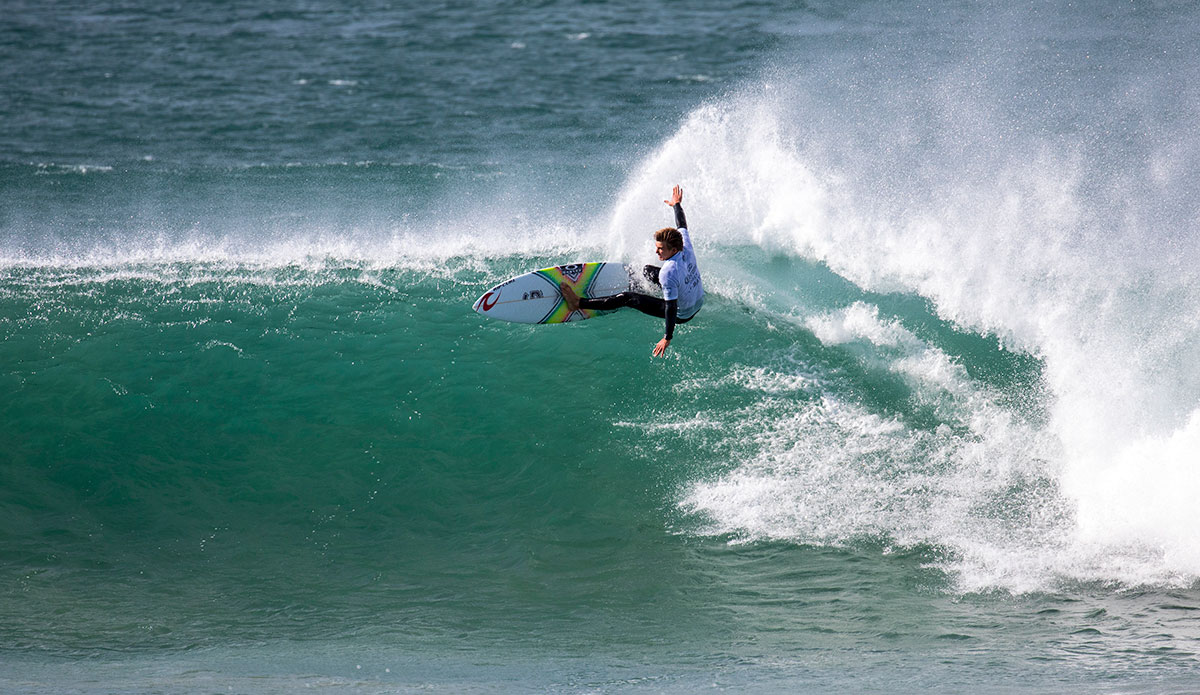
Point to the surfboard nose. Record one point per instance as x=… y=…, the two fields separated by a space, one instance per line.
x=486 y=302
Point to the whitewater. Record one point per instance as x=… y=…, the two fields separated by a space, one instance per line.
x=936 y=428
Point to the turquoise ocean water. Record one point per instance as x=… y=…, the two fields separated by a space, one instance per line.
x=937 y=428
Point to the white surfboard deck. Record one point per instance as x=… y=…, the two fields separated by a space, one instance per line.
x=535 y=296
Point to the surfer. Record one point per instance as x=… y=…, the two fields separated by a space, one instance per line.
x=679 y=277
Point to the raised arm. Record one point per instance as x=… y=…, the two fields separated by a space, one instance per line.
x=675 y=202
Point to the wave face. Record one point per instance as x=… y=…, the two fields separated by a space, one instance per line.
x=1031 y=197
x=941 y=401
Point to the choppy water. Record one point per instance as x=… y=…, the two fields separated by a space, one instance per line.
x=936 y=429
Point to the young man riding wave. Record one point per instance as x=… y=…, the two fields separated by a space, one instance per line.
x=679 y=277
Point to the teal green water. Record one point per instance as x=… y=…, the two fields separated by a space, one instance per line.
x=344 y=461
x=934 y=430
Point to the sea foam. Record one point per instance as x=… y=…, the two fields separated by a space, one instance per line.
x=1037 y=242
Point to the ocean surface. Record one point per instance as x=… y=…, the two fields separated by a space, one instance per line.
x=937 y=428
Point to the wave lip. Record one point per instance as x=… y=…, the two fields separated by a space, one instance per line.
x=1056 y=232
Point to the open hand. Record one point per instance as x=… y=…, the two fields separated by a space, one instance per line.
x=661 y=348
x=676 y=197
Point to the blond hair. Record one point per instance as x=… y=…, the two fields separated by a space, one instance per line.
x=670 y=238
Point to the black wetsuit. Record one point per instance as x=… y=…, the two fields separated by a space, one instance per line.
x=654 y=306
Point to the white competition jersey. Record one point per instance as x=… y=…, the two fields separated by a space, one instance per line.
x=680 y=279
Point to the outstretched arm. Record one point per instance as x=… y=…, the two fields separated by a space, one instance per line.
x=672 y=313
x=675 y=202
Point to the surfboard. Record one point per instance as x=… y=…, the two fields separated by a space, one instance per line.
x=535 y=297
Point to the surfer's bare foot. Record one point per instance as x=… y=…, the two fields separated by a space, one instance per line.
x=569 y=295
